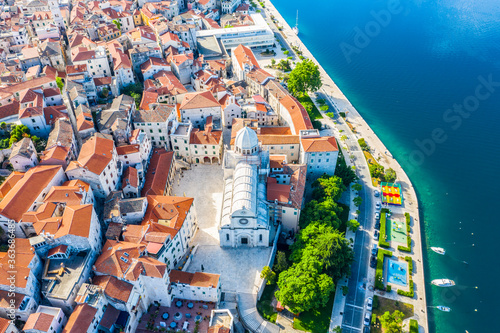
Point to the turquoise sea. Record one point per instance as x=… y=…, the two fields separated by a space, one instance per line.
x=426 y=77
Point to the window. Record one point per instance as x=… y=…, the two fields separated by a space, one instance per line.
x=150 y=131
x=260 y=238
x=33 y=120
x=312 y=161
x=227 y=237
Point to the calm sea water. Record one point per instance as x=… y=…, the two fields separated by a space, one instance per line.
x=425 y=59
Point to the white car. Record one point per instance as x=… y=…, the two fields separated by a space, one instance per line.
x=369 y=304
x=376 y=193
x=376 y=235
x=378 y=205
x=367 y=319
x=377 y=216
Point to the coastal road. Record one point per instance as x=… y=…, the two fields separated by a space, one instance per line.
x=360 y=280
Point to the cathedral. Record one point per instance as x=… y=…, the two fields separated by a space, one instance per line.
x=245 y=213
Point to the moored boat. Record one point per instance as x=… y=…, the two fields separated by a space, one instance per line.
x=443 y=282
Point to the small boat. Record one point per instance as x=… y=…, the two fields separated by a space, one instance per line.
x=296 y=28
x=443 y=308
x=443 y=282
x=438 y=250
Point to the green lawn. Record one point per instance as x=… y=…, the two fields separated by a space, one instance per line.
x=308 y=104
x=265 y=307
x=315 y=321
x=385 y=304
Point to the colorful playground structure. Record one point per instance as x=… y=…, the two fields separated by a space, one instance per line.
x=391 y=193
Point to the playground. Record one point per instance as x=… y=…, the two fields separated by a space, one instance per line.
x=391 y=193
x=397 y=272
x=396 y=231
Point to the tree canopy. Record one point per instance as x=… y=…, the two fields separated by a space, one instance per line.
x=390 y=175
x=328 y=186
x=302 y=287
x=392 y=323
x=321 y=253
x=304 y=77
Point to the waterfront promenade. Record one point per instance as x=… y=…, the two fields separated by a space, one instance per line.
x=341 y=104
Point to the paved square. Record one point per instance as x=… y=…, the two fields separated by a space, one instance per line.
x=239 y=268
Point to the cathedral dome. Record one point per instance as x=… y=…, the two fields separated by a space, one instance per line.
x=246 y=141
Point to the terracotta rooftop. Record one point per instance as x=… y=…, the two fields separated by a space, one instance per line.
x=199 y=100
x=81 y=318
x=322 y=144
x=198 y=279
x=158 y=172
x=39 y=321
x=20 y=198
x=95 y=155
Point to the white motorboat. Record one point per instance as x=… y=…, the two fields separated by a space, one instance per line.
x=296 y=28
x=438 y=250
x=443 y=282
x=443 y=308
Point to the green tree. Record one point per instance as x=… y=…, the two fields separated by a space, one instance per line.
x=324 y=108
x=392 y=323
x=302 y=287
x=324 y=247
x=60 y=83
x=357 y=201
x=353 y=225
x=344 y=172
x=286 y=52
x=268 y=274
x=281 y=263
x=304 y=77
x=376 y=170
x=327 y=211
x=328 y=186
x=390 y=175
x=357 y=187
x=273 y=62
x=118 y=24
x=3 y=125
x=330 y=114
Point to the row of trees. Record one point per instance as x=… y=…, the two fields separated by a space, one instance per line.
x=321 y=255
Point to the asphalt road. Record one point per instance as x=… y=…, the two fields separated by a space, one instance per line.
x=358 y=283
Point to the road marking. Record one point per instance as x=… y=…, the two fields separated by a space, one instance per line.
x=355 y=306
x=352 y=328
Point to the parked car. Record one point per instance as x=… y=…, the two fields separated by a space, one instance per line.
x=376 y=193
x=378 y=205
x=366 y=329
x=374 y=249
x=369 y=304
x=367 y=319
x=377 y=225
x=376 y=235
x=373 y=262
x=377 y=215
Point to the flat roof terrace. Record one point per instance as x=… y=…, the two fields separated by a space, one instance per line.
x=61 y=275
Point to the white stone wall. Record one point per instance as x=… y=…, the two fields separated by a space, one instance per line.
x=198 y=116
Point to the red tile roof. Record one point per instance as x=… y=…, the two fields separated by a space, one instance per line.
x=323 y=144
x=158 y=172
x=81 y=319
